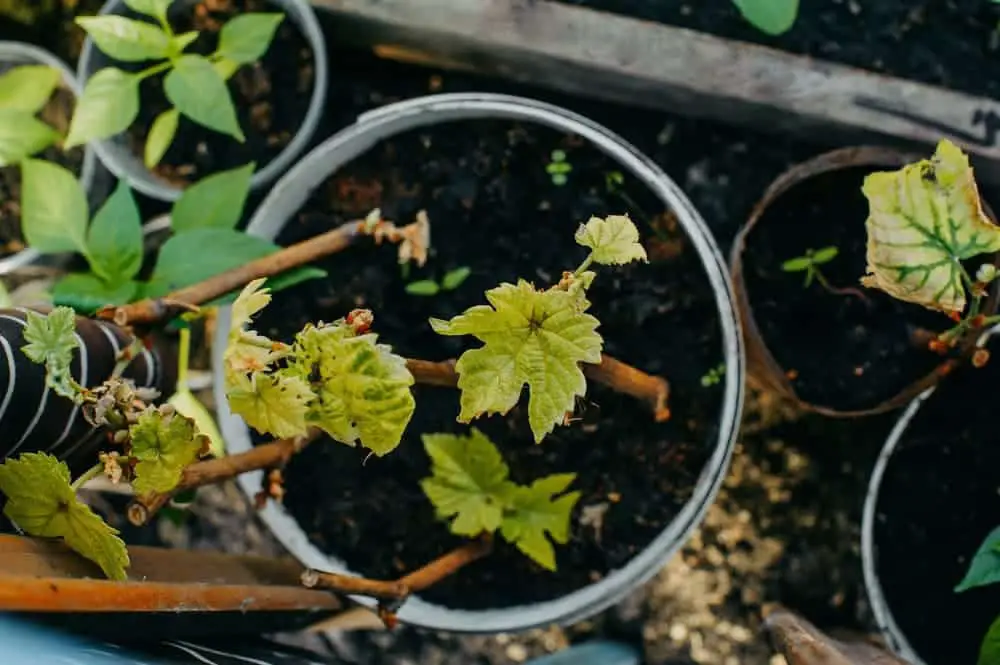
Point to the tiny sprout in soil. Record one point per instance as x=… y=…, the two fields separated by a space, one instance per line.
x=429 y=287
x=714 y=376
x=810 y=263
x=559 y=168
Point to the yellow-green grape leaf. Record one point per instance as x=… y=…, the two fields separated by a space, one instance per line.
x=164 y=443
x=538 y=338
x=468 y=481
x=41 y=501
x=537 y=510
x=247 y=351
x=275 y=404
x=51 y=337
x=923 y=220
x=612 y=241
x=191 y=407
x=362 y=388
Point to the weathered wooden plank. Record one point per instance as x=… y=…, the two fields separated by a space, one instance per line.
x=601 y=55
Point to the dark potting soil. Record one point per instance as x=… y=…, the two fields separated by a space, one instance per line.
x=840 y=350
x=938 y=501
x=953 y=43
x=271 y=97
x=56 y=113
x=494 y=209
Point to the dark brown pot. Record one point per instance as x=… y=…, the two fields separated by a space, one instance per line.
x=762 y=367
x=33 y=418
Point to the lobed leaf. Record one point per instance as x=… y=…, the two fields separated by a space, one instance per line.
x=22 y=135
x=985 y=566
x=924 y=219
x=216 y=201
x=612 y=241
x=41 y=501
x=245 y=38
x=246 y=350
x=537 y=510
x=773 y=17
x=54 y=209
x=199 y=92
x=126 y=39
x=533 y=338
x=86 y=292
x=164 y=444
x=191 y=407
x=468 y=481
x=161 y=135
x=28 y=87
x=114 y=242
x=108 y=105
x=51 y=338
x=272 y=404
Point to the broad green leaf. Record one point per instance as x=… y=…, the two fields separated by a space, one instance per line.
x=41 y=501
x=271 y=404
x=22 y=135
x=989 y=650
x=225 y=68
x=164 y=443
x=180 y=42
x=537 y=510
x=424 y=287
x=246 y=38
x=54 y=210
x=824 y=255
x=191 y=407
x=362 y=388
x=798 y=264
x=773 y=17
x=612 y=241
x=114 y=242
x=454 y=278
x=216 y=201
x=468 y=481
x=200 y=93
x=28 y=87
x=923 y=220
x=86 y=292
x=161 y=135
x=155 y=8
x=108 y=105
x=126 y=39
x=985 y=566
x=538 y=338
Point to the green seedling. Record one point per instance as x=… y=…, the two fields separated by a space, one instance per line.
x=428 y=287
x=714 y=376
x=559 y=168
x=810 y=263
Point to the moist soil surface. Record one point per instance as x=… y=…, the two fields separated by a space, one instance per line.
x=56 y=113
x=938 y=502
x=495 y=209
x=840 y=350
x=952 y=43
x=271 y=96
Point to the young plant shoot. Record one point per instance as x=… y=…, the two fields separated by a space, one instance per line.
x=194 y=84
x=537 y=337
x=429 y=287
x=24 y=92
x=810 y=263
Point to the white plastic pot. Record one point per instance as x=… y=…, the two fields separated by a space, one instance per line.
x=15 y=54
x=289 y=195
x=118 y=157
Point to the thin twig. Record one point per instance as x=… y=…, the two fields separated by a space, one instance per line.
x=266 y=456
x=841 y=290
x=620 y=377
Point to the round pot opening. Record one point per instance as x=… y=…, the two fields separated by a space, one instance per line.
x=79 y=160
x=481 y=195
x=265 y=97
x=832 y=345
x=931 y=502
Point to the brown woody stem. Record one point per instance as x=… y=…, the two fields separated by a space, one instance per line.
x=620 y=377
x=841 y=290
x=266 y=456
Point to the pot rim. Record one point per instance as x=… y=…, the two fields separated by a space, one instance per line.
x=22 y=53
x=119 y=159
x=295 y=188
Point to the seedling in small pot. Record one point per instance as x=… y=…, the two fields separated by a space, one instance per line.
x=194 y=84
x=559 y=168
x=810 y=263
x=429 y=287
x=24 y=92
x=714 y=376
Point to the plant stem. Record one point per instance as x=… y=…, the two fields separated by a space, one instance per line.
x=199 y=474
x=840 y=290
x=183 y=358
x=87 y=476
x=154 y=70
x=583 y=266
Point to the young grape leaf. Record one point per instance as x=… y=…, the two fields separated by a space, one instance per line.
x=165 y=444
x=773 y=17
x=985 y=566
x=538 y=338
x=22 y=135
x=923 y=220
x=28 y=87
x=126 y=39
x=54 y=210
x=215 y=201
x=989 y=649
x=114 y=242
x=191 y=407
x=536 y=510
x=200 y=93
x=246 y=350
x=612 y=241
x=161 y=135
x=245 y=38
x=41 y=501
x=468 y=481
x=362 y=388
x=86 y=292
x=275 y=404
x=51 y=337
x=108 y=105
x=155 y=8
